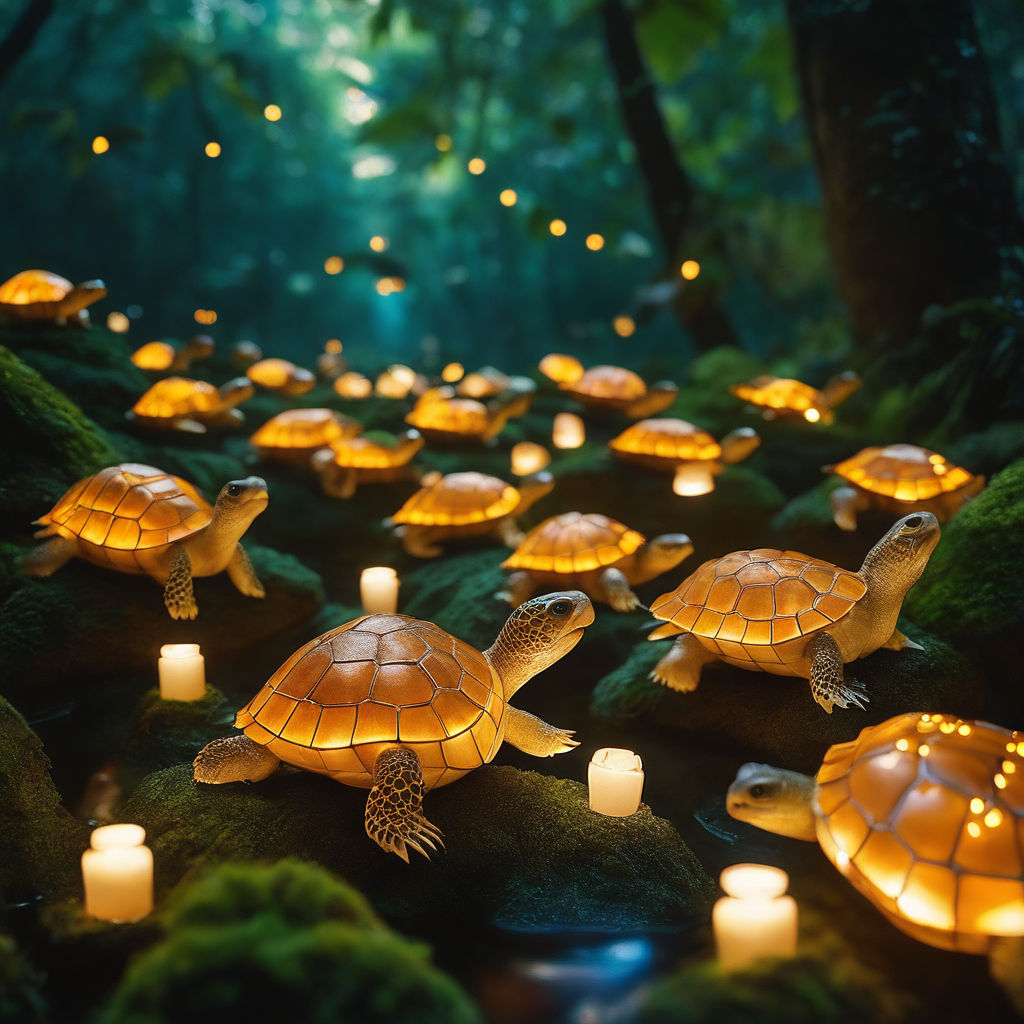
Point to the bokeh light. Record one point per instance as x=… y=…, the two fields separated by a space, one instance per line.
x=272 y=112
x=117 y=322
x=443 y=143
x=508 y=197
x=690 y=269
x=557 y=228
x=476 y=166
x=595 y=242
x=212 y=150
x=624 y=326
x=100 y=144
x=379 y=243
x=334 y=265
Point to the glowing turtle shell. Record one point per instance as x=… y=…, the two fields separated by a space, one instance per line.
x=32 y=286
x=281 y=375
x=574 y=542
x=757 y=608
x=904 y=472
x=178 y=396
x=671 y=439
x=154 y=355
x=124 y=516
x=297 y=430
x=922 y=814
x=779 y=393
x=459 y=499
x=366 y=453
x=451 y=415
x=340 y=700
x=613 y=382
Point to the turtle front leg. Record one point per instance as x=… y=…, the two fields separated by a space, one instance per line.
x=339 y=484
x=680 y=669
x=519 y=587
x=416 y=542
x=394 y=808
x=827 y=684
x=233 y=759
x=533 y=736
x=508 y=533
x=846 y=503
x=179 y=598
x=243 y=575
x=613 y=588
x=48 y=557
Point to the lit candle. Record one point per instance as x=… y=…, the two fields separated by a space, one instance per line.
x=691 y=479
x=182 y=672
x=568 y=431
x=616 y=779
x=118 y=874
x=528 y=458
x=378 y=590
x=756 y=918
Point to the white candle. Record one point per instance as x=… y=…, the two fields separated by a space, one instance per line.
x=691 y=479
x=118 y=874
x=616 y=779
x=755 y=919
x=378 y=590
x=182 y=671
x=568 y=431
x=528 y=458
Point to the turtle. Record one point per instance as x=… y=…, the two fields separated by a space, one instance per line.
x=793 y=615
x=486 y=382
x=281 y=376
x=561 y=368
x=922 y=814
x=191 y=406
x=161 y=355
x=398 y=706
x=783 y=396
x=465 y=505
x=351 y=461
x=295 y=434
x=36 y=296
x=245 y=353
x=899 y=477
x=138 y=519
x=622 y=390
x=440 y=416
x=353 y=385
x=597 y=554
x=674 y=445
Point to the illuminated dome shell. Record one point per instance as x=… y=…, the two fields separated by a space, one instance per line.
x=373 y=682
x=154 y=355
x=922 y=815
x=298 y=429
x=281 y=375
x=366 y=453
x=34 y=286
x=671 y=439
x=128 y=509
x=459 y=499
x=452 y=415
x=904 y=472
x=779 y=393
x=560 y=368
x=178 y=396
x=609 y=382
x=747 y=601
x=574 y=542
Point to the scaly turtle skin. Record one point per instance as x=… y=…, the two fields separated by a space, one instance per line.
x=593 y=553
x=398 y=706
x=36 y=296
x=619 y=389
x=138 y=519
x=281 y=377
x=922 y=814
x=191 y=406
x=898 y=478
x=351 y=461
x=465 y=505
x=295 y=434
x=785 y=397
x=792 y=615
x=668 y=444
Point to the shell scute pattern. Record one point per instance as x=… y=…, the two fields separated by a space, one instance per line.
x=610 y=382
x=667 y=438
x=450 y=415
x=905 y=472
x=459 y=499
x=777 y=393
x=178 y=396
x=304 y=428
x=28 y=286
x=574 y=542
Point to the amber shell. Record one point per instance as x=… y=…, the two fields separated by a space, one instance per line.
x=31 y=286
x=904 y=472
x=340 y=700
x=574 y=542
x=450 y=415
x=298 y=429
x=365 y=453
x=668 y=438
x=923 y=814
x=154 y=355
x=778 y=393
x=280 y=374
x=615 y=382
x=459 y=499
x=178 y=396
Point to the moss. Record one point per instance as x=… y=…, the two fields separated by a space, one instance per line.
x=521 y=848
x=286 y=942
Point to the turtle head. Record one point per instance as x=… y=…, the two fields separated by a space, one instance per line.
x=739 y=443
x=236 y=391
x=659 y=555
x=839 y=388
x=532 y=488
x=82 y=295
x=537 y=634
x=774 y=799
x=239 y=503
x=896 y=562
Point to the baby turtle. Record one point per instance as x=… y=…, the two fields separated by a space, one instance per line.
x=897 y=478
x=783 y=396
x=597 y=554
x=674 y=445
x=792 y=615
x=158 y=356
x=281 y=377
x=295 y=434
x=398 y=706
x=921 y=814
x=191 y=406
x=440 y=416
x=622 y=390
x=465 y=505
x=353 y=385
x=351 y=461
x=39 y=296
x=486 y=382
x=561 y=368
x=138 y=519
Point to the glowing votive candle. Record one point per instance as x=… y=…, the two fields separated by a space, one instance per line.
x=568 y=431
x=378 y=590
x=616 y=779
x=756 y=918
x=117 y=872
x=528 y=458
x=692 y=479
x=182 y=672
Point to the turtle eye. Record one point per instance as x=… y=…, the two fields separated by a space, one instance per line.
x=913 y=523
x=759 y=790
x=235 y=490
x=560 y=607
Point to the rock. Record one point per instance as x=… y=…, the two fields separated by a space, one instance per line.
x=522 y=849
x=774 y=718
x=284 y=942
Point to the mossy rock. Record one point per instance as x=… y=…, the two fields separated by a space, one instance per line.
x=522 y=849
x=282 y=942
x=775 y=717
x=39 y=841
